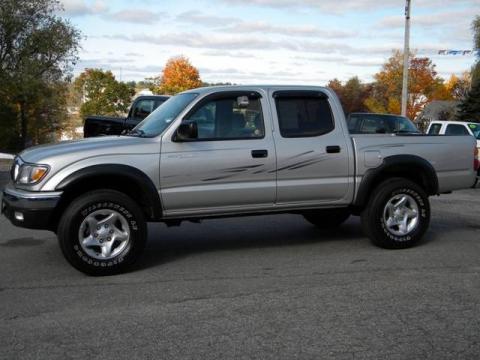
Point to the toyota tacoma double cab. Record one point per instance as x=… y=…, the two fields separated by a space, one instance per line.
x=232 y=151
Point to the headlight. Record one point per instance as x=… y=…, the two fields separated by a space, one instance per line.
x=23 y=173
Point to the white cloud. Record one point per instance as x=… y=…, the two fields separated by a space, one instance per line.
x=344 y=60
x=220 y=53
x=254 y=43
x=238 y=26
x=445 y=18
x=365 y=62
x=289 y=41
x=136 y=16
x=323 y=58
x=196 y=40
x=199 y=18
x=82 y=7
x=237 y=75
x=342 y=7
x=302 y=31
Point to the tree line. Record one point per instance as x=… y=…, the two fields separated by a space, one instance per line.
x=39 y=48
x=384 y=94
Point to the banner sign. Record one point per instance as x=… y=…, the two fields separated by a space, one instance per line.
x=459 y=52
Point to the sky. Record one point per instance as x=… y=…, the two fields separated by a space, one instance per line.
x=268 y=41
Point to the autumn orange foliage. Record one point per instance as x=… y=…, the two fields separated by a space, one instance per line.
x=178 y=75
x=424 y=85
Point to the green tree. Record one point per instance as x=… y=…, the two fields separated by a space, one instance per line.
x=352 y=95
x=476 y=46
x=37 y=51
x=469 y=109
x=102 y=94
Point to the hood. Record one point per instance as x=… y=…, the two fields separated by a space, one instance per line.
x=75 y=150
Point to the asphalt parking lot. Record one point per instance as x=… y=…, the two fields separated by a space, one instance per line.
x=270 y=287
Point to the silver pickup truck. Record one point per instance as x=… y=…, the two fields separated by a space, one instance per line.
x=232 y=151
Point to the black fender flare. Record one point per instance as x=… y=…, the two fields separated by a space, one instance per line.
x=148 y=191
x=395 y=166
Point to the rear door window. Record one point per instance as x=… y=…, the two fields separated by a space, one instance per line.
x=307 y=116
x=454 y=129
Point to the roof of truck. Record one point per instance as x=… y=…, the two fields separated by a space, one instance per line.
x=209 y=89
x=453 y=122
x=375 y=114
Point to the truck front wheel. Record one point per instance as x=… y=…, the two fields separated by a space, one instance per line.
x=102 y=232
x=397 y=215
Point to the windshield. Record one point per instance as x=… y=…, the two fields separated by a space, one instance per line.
x=403 y=124
x=475 y=129
x=155 y=123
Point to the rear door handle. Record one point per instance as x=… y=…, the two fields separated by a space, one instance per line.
x=259 y=153
x=333 y=149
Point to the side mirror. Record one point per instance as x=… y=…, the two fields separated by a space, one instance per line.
x=187 y=131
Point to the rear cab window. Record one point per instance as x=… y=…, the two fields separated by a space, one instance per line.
x=303 y=113
x=143 y=108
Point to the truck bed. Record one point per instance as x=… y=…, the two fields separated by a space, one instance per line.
x=96 y=125
x=450 y=156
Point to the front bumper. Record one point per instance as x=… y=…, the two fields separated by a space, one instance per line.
x=29 y=209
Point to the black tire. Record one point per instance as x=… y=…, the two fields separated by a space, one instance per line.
x=373 y=216
x=99 y=201
x=327 y=219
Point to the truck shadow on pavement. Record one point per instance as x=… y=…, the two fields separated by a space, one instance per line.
x=169 y=244
x=23 y=242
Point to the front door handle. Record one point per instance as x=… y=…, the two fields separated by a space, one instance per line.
x=333 y=149
x=259 y=153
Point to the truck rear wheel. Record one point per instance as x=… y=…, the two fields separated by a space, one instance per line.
x=327 y=218
x=102 y=232
x=397 y=215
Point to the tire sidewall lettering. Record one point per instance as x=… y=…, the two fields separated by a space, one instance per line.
x=423 y=213
x=83 y=213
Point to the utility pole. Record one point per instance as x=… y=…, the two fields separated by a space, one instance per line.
x=406 y=57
